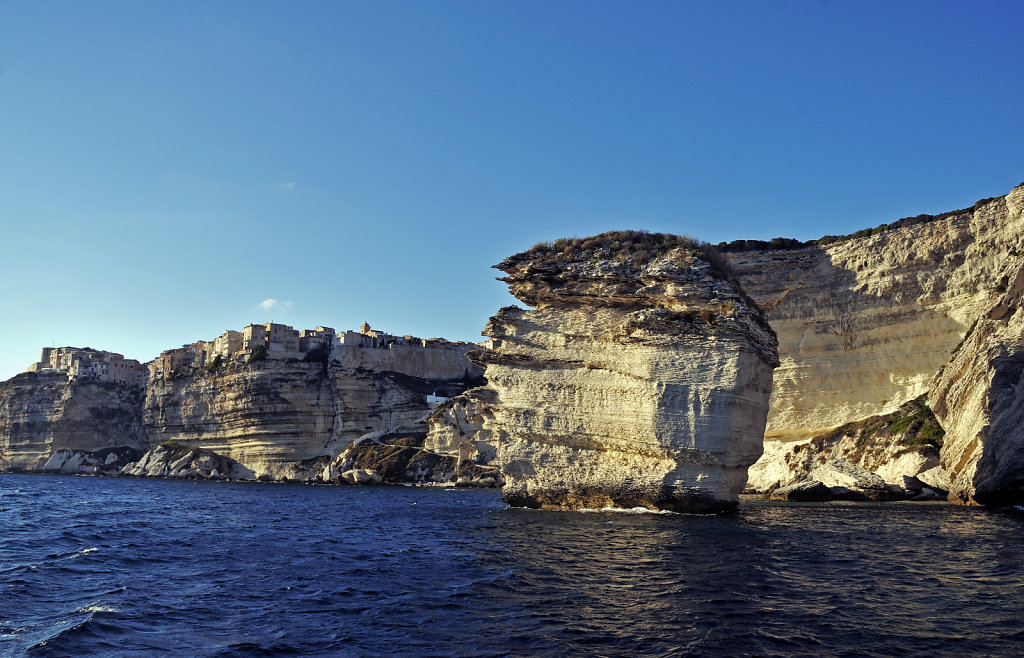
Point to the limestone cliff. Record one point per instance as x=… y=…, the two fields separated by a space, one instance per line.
x=42 y=414
x=275 y=414
x=641 y=377
x=864 y=323
x=979 y=398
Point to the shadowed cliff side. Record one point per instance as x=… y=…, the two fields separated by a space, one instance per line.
x=42 y=414
x=866 y=321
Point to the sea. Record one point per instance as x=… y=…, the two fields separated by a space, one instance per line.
x=93 y=566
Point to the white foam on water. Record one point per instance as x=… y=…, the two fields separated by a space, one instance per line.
x=89 y=550
x=629 y=510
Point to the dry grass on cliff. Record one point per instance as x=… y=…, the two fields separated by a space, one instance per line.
x=634 y=246
x=637 y=248
x=780 y=244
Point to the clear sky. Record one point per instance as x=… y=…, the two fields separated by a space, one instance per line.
x=169 y=170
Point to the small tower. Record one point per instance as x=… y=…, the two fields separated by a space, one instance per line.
x=365 y=328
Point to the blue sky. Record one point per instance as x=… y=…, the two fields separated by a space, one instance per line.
x=168 y=167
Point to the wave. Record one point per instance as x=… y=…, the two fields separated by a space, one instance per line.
x=628 y=510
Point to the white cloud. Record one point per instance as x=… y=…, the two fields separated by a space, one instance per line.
x=285 y=187
x=270 y=303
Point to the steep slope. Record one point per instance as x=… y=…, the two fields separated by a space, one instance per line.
x=41 y=414
x=865 y=323
x=979 y=398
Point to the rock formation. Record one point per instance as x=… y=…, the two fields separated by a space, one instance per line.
x=400 y=458
x=275 y=415
x=641 y=377
x=42 y=414
x=894 y=446
x=282 y=419
x=865 y=322
x=979 y=398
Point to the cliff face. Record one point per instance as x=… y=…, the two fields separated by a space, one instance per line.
x=41 y=414
x=273 y=415
x=979 y=397
x=640 y=379
x=274 y=418
x=865 y=323
x=262 y=415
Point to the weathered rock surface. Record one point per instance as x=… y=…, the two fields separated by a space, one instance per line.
x=42 y=414
x=282 y=419
x=279 y=417
x=865 y=323
x=903 y=443
x=400 y=458
x=805 y=491
x=979 y=398
x=173 y=460
x=838 y=474
x=108 y=461
x=641 y=378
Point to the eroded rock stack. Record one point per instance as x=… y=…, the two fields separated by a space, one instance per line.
x=640 y=378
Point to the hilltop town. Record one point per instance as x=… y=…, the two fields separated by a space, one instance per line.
x=255 y=341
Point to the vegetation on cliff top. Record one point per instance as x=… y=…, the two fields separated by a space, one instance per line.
x=636 y=248
x=790 y=243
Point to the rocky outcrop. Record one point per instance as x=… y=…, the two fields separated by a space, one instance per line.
x=279 y=417
x=108 y=461
x=173 y=460
x=865 y=323
x=893 y=446
x=43 y=414
x=456 y=428
x=979 y=398
x=400 y=458
x=641 y=377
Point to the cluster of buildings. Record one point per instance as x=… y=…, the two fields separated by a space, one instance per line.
x=274 y=341
x=279 y=340
x=87 y=363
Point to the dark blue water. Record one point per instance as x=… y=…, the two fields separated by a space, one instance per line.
x=105 y=566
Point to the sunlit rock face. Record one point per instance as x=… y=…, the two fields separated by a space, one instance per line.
x=979 y=398
x=640 y=378
x=42 y=414
x=275 y=415
x=865 y=323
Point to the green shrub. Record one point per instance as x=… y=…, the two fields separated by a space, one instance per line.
x=258 y=353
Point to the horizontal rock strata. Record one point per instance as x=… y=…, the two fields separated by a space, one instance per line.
x=865 y=323
x=641 y=378
x=42 y=414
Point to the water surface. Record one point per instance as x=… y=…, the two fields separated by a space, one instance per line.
x=118 y=566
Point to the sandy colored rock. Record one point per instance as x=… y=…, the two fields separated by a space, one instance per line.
x=865 y=323
x=979 y=398
x=902 y=443
x=640 y=378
